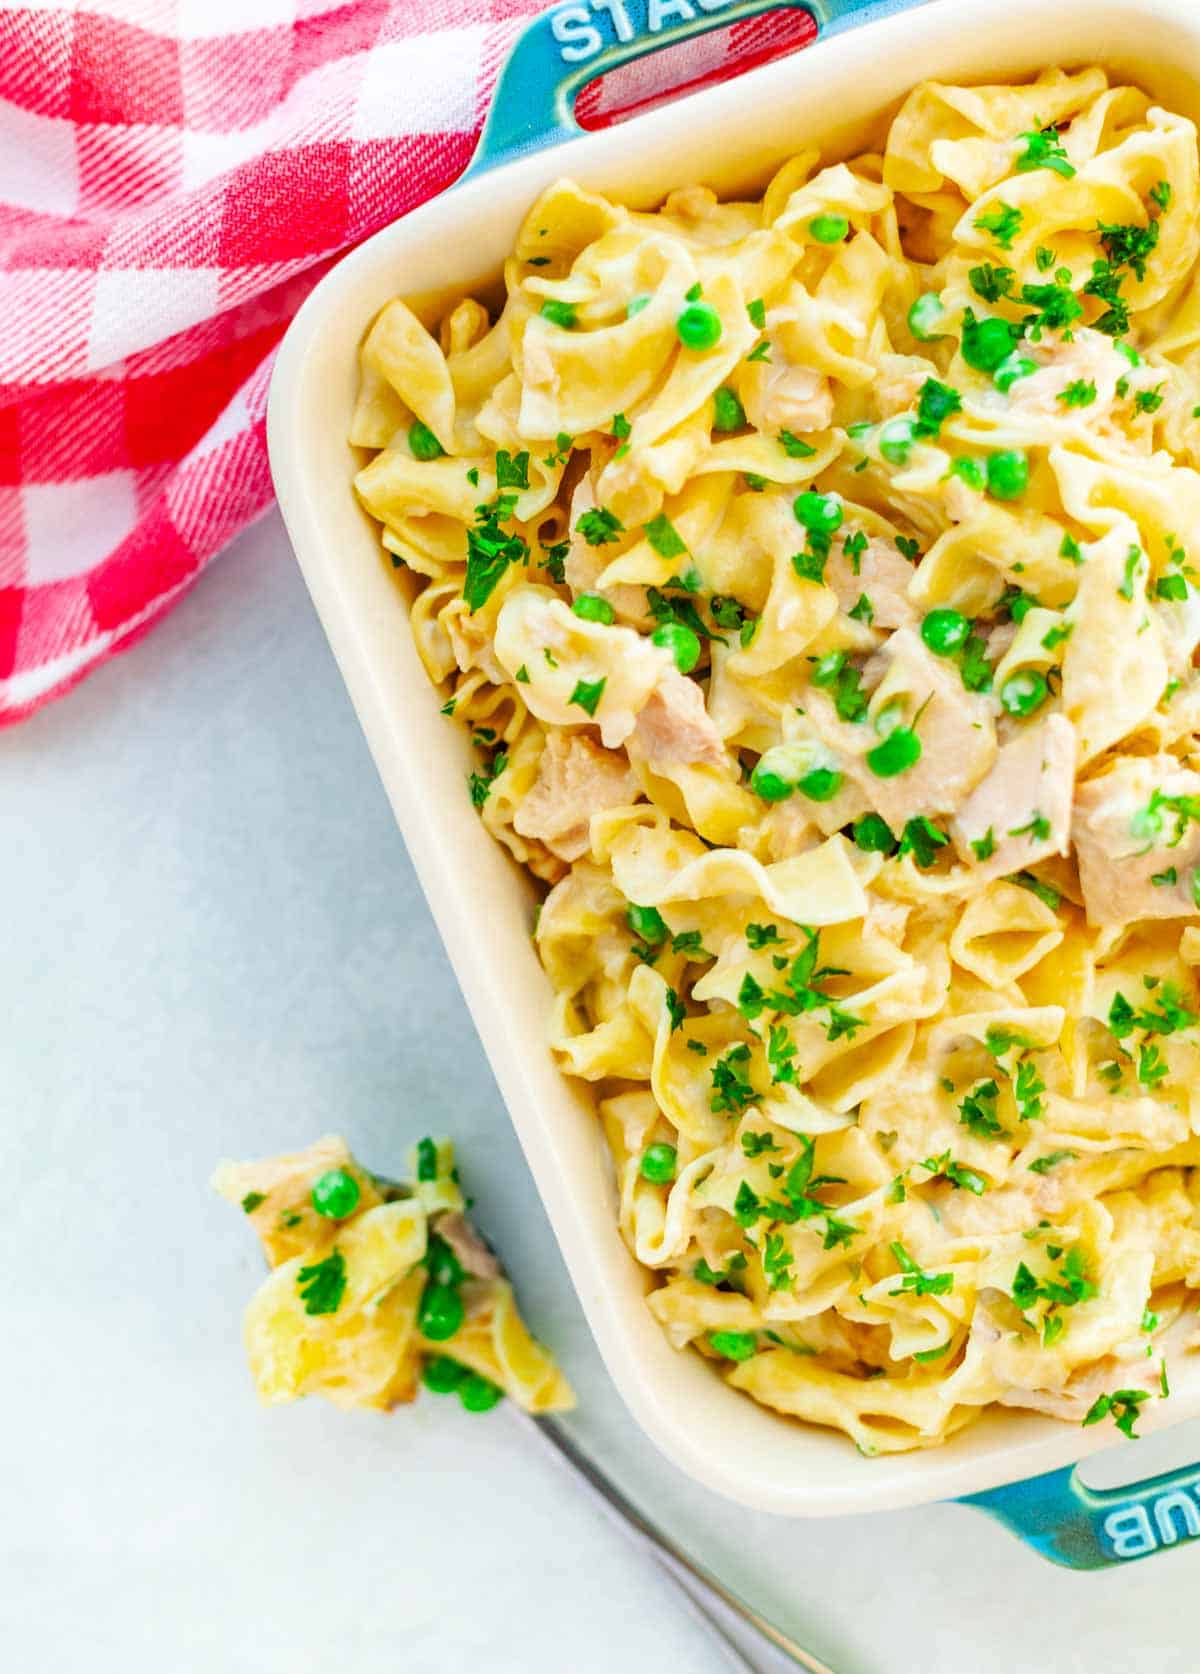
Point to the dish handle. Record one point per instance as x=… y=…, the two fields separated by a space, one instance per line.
x=571 y=44
x=1084 y=1528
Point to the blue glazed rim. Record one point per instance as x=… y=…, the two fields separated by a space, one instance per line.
x=554 y=58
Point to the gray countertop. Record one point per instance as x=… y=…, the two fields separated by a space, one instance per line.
x=214 y=946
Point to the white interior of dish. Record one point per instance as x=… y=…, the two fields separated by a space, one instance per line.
x=730 y=137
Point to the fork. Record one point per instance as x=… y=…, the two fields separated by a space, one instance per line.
x=699 y=1586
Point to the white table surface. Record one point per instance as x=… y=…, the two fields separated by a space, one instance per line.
x=213 y=945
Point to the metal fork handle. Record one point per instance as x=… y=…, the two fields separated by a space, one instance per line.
x=678 y=1564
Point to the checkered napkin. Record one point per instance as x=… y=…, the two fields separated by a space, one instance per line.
x=175 y=175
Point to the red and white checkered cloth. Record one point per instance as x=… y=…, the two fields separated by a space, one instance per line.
x=175 y=175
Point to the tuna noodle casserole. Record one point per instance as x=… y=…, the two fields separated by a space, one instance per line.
x=816 y=576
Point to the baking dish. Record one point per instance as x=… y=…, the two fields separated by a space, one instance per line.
x=1020 y=1468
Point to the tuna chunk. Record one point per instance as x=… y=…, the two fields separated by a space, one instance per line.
x=883 y=575
x=1089 y=357
x=473 y=1254
x=1085 y=1383
x=576 y=779
x=797 y=398
x=1131 y=825
x=958 y=738
x=675 y=728
x=1029 y=786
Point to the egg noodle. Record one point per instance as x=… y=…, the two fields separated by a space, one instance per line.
x=377 y=1286
x=815 y=576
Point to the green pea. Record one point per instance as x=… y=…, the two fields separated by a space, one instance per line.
x=1022 y=693
x=423 y=442
x=699 y=326
x=945 y=631
x=821 y=513
x=821 y=785
x=444 y=1266
x=559 y=313
x=636 y=304
x=479 y=1394
x=987 y=344
x=924 y=317
x=873 y=835
x=970 y=471
x=441 y=1312
x=896 y=439
x=1011 y=368
x=441 y=1375
x=896 y=753
x=779 y=769
x=658 y=1164
x=681 y=642
x=335 y=1194
x=772 y=787
x=648 y=923
x=829 y=229
x=728 y=412
x=593 y=608
x=1007 y=474
x=734 y=1345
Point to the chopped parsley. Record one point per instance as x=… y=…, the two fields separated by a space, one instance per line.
x=984 y=847
x=1003 y=222
x=323 y=1285
x=1044 y=150
x=480 y=784
x=781 y=1051
x=490 y=551
x=598 y=526
x=587 y=694
x=1167 y=1017
x=935 y=404
x=1028 y=1090
x=922 y=839
x=664 y=537
x=794 y=446
x=512 y=470
x=991 y=283
x=1078 y=393
x=1122 y=1406
x=1046 y=893
x=977 y=1112
x=1043 y=1165
x=251 y=1202
x=731 y=1087
x=960 y=1177
x=1036 y=826
x=776 y=1261
x=556 y=560
x=560 y=452
x=863 y=611
x=1055 y=305
x=759 y=935
x=913 y=1278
